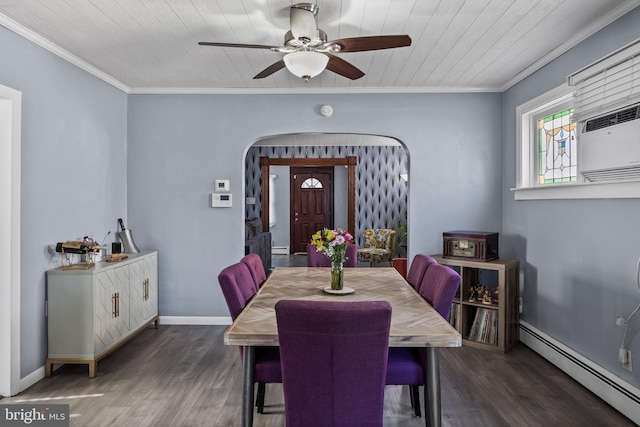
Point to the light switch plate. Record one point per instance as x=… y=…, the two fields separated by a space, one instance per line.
x=222 y=185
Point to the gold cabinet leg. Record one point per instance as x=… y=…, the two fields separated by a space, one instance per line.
x=48 y=367
x=93 y=367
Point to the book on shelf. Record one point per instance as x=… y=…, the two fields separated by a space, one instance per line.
x=484 y=328
x=454 y=314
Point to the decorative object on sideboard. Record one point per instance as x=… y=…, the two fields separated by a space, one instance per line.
x=482 y=294
x=477 y=293
x=116 y=257
x=471 y=245
x=87 y=247
x=127 y=239
x=103 y=248
x=486 y=297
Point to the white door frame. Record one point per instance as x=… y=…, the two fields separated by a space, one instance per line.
x=10 y=149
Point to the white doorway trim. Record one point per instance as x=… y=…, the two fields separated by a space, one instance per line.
x=10 y=152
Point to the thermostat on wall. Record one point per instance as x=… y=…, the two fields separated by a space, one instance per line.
x=221 y=200
x=222 y=185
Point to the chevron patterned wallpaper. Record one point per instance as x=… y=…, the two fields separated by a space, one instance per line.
x=381 y=195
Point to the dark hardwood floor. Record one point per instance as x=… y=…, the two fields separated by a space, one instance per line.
x=186 y=376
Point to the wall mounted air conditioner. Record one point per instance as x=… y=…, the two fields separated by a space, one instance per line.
x=609 y=145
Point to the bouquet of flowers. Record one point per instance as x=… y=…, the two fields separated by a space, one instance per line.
x=333 y=243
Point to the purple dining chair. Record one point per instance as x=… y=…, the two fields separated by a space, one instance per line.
x=256 y=268
x=334 y=359
x=417 y=269
x=318 y=259
x=238 y=287
x=406 y=365
x=439 y=287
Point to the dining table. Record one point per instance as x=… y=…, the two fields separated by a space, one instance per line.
x=414 y=323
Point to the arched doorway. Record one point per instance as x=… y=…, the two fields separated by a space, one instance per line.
x=380 y=175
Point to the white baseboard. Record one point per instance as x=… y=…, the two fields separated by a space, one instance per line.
x=31 y=379
x=194 y=320
x=618 y=393
x=280 y=250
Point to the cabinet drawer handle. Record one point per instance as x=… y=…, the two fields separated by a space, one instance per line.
x=113 y=306
x=117 y=304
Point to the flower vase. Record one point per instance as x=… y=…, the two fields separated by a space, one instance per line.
x=337 y=276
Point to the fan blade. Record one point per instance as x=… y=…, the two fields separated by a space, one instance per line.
x=250 y=46
x=361 y=44
x=303 y=21
x=277 y=66
x=342 y=67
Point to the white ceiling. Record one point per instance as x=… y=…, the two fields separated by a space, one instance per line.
x=150 y=46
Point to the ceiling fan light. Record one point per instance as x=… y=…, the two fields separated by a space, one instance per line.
x=305 y=64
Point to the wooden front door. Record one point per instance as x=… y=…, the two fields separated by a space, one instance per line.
x=311 y=204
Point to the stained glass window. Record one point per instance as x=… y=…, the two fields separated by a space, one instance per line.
x=311 y=183
x=557 y=154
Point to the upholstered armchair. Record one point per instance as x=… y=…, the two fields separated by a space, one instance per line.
x=378 y=245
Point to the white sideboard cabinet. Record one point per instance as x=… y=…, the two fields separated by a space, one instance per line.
x=91 y=312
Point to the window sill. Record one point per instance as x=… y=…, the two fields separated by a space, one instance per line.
x=589 y=190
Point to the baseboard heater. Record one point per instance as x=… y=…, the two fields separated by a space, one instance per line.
x=280 y=250
x=618 y=393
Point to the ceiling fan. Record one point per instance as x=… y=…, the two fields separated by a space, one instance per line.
x=308 y=52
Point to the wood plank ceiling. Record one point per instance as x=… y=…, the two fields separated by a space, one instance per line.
x=151 y=45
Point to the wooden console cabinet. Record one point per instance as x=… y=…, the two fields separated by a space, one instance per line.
x=492 y=326
x=92 y=312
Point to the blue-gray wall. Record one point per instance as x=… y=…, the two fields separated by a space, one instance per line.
x=74 y=180
x=90 y=153
x=180 y=144
x=579 y=257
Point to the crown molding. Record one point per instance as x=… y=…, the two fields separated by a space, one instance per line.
x=308 y=91
x=44 y=43
x=588 y=31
